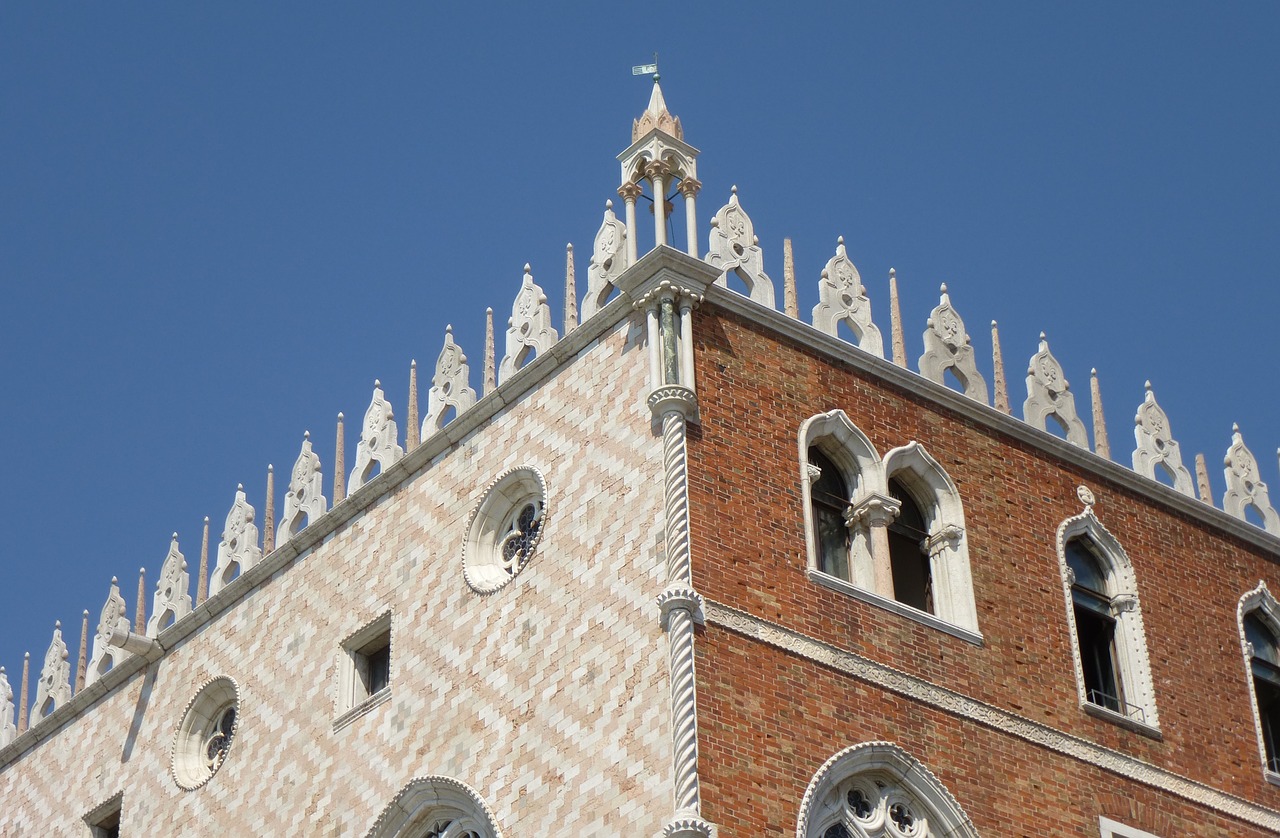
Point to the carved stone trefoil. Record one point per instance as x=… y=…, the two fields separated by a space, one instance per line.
x=114 y=617
x=529 y=331
x=608 y=261
x=238 y=550
x=734 y=247
x=947 y=347
x=304 y=500
x=54 y=687
x=450 y=386
x=172 y=599
x=1157 y=447
x=378 y=444
x=1244 y=488
x=843 y=299
x=1049 y=395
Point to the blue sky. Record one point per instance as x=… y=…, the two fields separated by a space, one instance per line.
x=219 y=225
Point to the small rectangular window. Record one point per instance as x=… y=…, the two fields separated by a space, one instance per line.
x=104 y=821
x=365 y=670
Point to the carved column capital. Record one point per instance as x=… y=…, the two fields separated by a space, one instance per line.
x=678 y=596
x=629 y=191
x=657 y=169
x=673 y=398
x=1124 y=603
x=689 y=186
x=946 y=538
x=873 y=510
x=687 y=827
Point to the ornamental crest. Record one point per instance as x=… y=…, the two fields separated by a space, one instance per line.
x=734 y=248
x=450 y=387
x=238 y=550
x=843 y=299
x=947 y=347
x=608 y=261
x=304 y=501
x=378 y=444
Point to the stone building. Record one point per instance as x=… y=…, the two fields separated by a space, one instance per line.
x=698 y=566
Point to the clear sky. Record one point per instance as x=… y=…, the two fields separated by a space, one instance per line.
x=219 y=223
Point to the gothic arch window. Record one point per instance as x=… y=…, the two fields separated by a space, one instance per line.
x=436 y=807
x=1259 y=618
x=877 y=790
x=1113 y=670
x=829 y=498
x=912 y=576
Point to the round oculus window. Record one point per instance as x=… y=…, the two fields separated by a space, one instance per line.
x=205 y=733
x=505 y=529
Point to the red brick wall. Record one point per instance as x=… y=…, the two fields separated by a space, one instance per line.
x=755 y=389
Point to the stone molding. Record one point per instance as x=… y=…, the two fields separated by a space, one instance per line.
x=987 y=715
x=1156 y=445
x=1049 y=395
x=529 y=330
x=304 y=500
x=172 y=596
x=608 y=262
x=1244 y=487
x=238 y=549
x=379 y=441
x=947 y=346
x=734 y=248
x=843 y=299
x=421 y=796
x=450 y=386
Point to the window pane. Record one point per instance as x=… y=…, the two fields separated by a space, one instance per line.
x=1095 y=635
x=912 y=576
x=1085 y=565
x=830 y=498
x=1261 y=638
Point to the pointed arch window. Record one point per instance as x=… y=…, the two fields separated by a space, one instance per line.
x=1259 y=617
x=436 y=807
x=829 y=500
x=908 y=533
x=1095 y=626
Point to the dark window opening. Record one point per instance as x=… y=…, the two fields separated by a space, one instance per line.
x=105 y=822
x=830 y=498
x=1095 y=628
x=373 y=666
x=912 y=575
x=1266 y=686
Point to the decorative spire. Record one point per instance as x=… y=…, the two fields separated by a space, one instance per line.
x=490 y=378
x=947 y=347
x=1202 y=480
x=1002 y=388
x=339 y=466
x=378 y=443
x=529 y=331
x=411 y=438
x=82 y=662
x=570 y=291
x=895 y=324
x=140 y=618
x=304 y=500
x=269 y=514
x=54 y=687
x=22 y=698
x=789 y=301
x=1101 y=446
x=656 y=116
x=450 y=386
x=238 y=550
x=202 y=580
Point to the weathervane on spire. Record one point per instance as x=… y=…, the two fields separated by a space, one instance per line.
x=647 y=69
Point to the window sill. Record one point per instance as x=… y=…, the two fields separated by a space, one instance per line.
x=1272 y=777
x=382 y=696
x=1100 y=712
x=835 y=583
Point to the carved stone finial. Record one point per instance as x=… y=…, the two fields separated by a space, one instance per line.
x=656 y=116
x=411 y=432
x=490 y=377
x=529 y=331
x=997 y=359
x=238 y=550
x=172 y=600
x=54 y=687
x=450 y=386
x=608 y=261
x=114 y=617
x=202 y=577
x=895 y=322
x=734 y=248
x=947 y=347
x=1156 y=445
x=1202 y=480
x=843 y=299
x=790 y=302
x=1049 y=394
x=82 y=659
x=571 y=288
x=269 y=514
x=1101 y=446
x=379 y=440
x=8 y=730
x=339 y=466
x=1244 y=487
x=304 y=500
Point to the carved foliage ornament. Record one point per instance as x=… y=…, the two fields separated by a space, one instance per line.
x=734 y=248
x=238 y=550
x=304 y=501
x=1049 y=395
x=608 y=261
x=378 y=440
x=450 y=386
x=843 y=299
x=54 y=687
x=529 y=331
x=172 y=599
x=1157 y=447
x=1244 y=487
x=114 y=618
x=947 y=347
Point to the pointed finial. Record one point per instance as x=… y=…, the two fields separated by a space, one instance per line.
x=840 y=241
x=140 y=615
x=202 y=580
x=1147 y=385
x=490 y=370
x=22 y=700
x=1101 y=446
x=790 y=302
x=1202 y=480
x=339 y=465
x=527 y=268
x=1042 y=337
x=1000 y=383
x=411 y=433
x=943 y=288
x=377 y=383
x=734 y=189
x=608 y=204
x=82 y=661
x=305 y=435
x=269 y=513
x=239 y=488
x=1235 y=428
x=570 y=290
x=895 y=320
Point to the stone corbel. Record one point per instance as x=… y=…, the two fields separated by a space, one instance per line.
x=946 y=538
x=812 y=472
x=1124 y=603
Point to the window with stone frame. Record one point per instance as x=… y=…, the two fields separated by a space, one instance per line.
x=436 y=807
x=104 y=820
x=912 y=570
x=829 y=500
x=365 y=668
x=1259 y=617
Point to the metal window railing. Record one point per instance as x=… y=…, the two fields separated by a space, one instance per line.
x=1117 y=705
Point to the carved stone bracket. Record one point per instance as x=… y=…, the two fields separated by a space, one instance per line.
x=608 y=261
x=1049 y=394
x=734 y=247
x=1244 y=487
x=947 y=538
x=529 y=331
x=947 y=347
x=172 y=599
x=378 y=440
x=304 y=501
x=238 y=550
x=114 y=618
x=843 y=299
x=1156 y=445
x=450 y=386
x=54 y=687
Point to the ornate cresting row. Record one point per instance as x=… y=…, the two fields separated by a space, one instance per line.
x=668 y=309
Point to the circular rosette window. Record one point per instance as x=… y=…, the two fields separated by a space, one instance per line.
x=205 y=733
x=505 y=529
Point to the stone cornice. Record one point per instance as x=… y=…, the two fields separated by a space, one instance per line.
x=987 y=715
x=989 y=417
